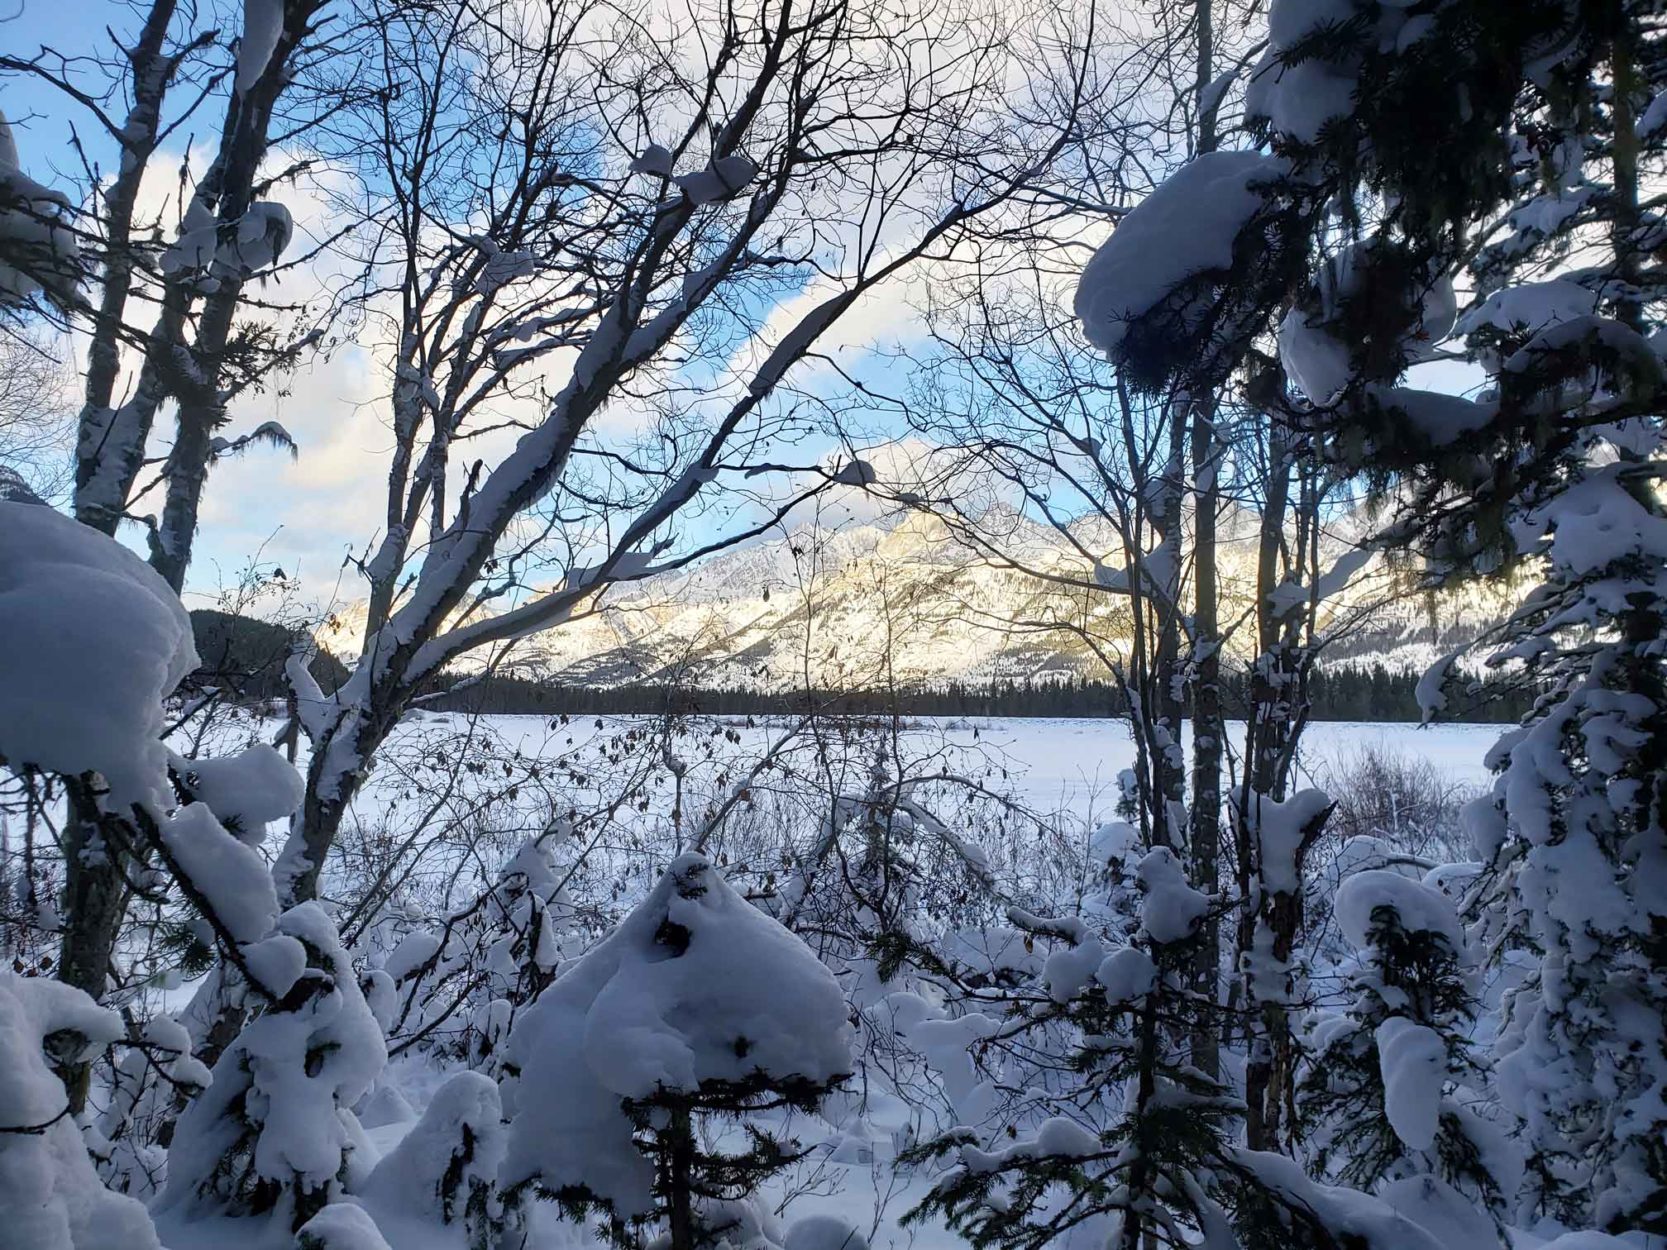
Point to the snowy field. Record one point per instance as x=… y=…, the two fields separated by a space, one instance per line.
x=1063 y=772
x=1055 y=766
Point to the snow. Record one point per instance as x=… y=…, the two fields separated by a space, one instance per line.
x=1317 y=362
x=293 y=1072
x=95 y=641
x=193 y=246
x=1530 y=307
x=1114 y=844
x=1171 y=910
x=414 y=950
x=263 y=24
x=857 y=472
x=1280 y=829
x=501 y=268
x=1418 y=907
x=1413 y=1061
x=1440 y=418
x=340 y=1226
x=262 y=234
x=1356 y=1219
x=1297 y=100
x=655 y=159
x=1127 y=975
x=1454 y=1219
x=695 y=985
x=1595 y=523
x=1183 y=230
x=50 y=1196
x=823 y=1232
x=1066 y=1139
x=246 y=790
x=723 y=179
x=1430 y=692
x=1067 y=971
x=230 y=874
x=455 y=1149
x=1291 y=21
x=31 y=227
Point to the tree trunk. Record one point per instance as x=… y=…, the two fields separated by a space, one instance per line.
x=1208 y=731
x=680 y=1166
x=1267 y=1069
x=231 y=189
x=95 y=899
x=112 y=441
x=1167 y=703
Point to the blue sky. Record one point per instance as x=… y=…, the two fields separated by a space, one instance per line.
x=303 y=516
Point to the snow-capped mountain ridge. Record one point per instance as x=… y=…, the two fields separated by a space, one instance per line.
x=905 y=601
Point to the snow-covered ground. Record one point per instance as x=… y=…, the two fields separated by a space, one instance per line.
x=1052 y=765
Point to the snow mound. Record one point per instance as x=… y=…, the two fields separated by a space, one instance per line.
x=1183 y=230
x=1172 y=910
x=824 y=1232
x=95 y=640
x=1417 y=907
x=452 y=1152
x=340 y=1226
x=50 y=1196
x=695 y=986
x=246 y=790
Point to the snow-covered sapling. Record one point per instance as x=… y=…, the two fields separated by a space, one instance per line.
x=444 y=1171
x=273 y=1134
x=699 y=1009
x=50 y=1196
x=1376 y=1093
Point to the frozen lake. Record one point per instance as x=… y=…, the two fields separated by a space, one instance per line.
x=1053 y=766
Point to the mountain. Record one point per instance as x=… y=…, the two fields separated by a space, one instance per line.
x=905 y=602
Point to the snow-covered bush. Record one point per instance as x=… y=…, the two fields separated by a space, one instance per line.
x=274 y=1135
x=1402 y=798
x=697 y=1008
x=1378 y=1097
x=457 y=990
x=145 y=1090
x=1143 y=1148
x=444 y=1171
x=50 y=1196
x=95 y=641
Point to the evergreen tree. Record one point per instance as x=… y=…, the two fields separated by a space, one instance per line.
x=698 y=1010
x=273 y=1135
x=1141 y=1149
x=1488 y=141
x=1376 y=1097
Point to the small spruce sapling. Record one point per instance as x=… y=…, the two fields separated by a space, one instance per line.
x=1376 y=1095
x=697 y=1012
x=274 y=1135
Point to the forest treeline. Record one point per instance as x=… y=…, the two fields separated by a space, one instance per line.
x=1345 y=694
x=245 y=657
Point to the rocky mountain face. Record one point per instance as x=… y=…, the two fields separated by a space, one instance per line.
x=906 y=602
